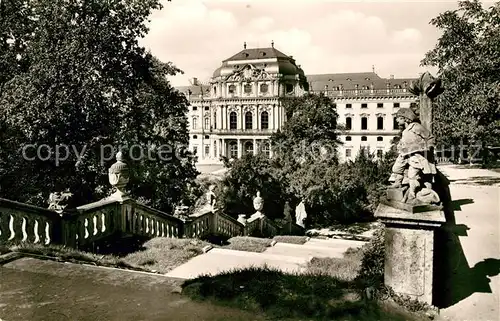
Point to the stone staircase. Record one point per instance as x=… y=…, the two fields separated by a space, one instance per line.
x=289 y=258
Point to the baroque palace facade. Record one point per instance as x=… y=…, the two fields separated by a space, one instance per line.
x=242 y=105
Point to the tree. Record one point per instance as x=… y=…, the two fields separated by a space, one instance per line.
x=78 y=79
x=468 y=56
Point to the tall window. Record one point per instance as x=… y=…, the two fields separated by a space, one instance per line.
x=207 y=123
x=348 y=152
x=233 y=122
x=248 y=120
x=380 y=122
x=364 y=123
x=395 y=123
x=264 y=120
x=233 y=150
x=264 y=88
x=207 y=150
x=215 y=149
x=265 y=148
x=364 y=105
x=348 y=123
x=195 y=123
x=232 y=89
x=380 y=153
x=248 y=148
x=215 y=120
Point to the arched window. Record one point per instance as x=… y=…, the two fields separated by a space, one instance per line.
x=348 y=123
x=364 y=139
x=215 y=120
x=248 y=148
x=233 y=122
x=264 y=88
x=364 y=123
x=207 y=123
x=233 y=150
x=195 y=123
x=380 y=139
x=395 y=124
x=248 y=120
x=264 y=120
x=380 y=122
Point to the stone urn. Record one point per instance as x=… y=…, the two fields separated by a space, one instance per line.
x=258 y=204
x=118 y=176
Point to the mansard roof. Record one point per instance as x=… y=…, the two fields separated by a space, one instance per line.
x=348 y=81
x=257 y=53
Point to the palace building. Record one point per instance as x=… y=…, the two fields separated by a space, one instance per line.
x=242 y=105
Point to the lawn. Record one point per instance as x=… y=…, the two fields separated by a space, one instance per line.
x=247 y=243
x=290 y=239
x=157 y=255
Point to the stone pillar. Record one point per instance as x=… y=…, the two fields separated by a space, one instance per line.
x=425 y=111
x=409 y=250
x=255 y=146
x=239 y=148
x=255 y=122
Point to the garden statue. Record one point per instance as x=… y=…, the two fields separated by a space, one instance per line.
x=211 y=198
x=300 y=214
x=118 y=175
x=58 y=201
x=181 y=211
x=414 y=170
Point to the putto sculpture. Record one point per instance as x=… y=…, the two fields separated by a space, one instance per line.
x=414 y=171
x=58 y=201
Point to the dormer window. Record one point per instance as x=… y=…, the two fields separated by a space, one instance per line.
x=367 y=79
x=263 y=54
x=289 y=88
x=349 y=79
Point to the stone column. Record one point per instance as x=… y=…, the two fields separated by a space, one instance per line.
x=255 y=123
x=239 y=148
x=255 y=146
x=409 y=250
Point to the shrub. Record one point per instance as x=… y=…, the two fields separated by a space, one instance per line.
x=372 y=264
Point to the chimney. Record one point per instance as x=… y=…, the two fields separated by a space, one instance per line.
x=194 y=81
x=245 y=45
x=272 y=43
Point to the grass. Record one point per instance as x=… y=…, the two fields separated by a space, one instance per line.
x=291 y=239
x=247 y=243
x=290 y=296
x=159 y=255
x=345 y=269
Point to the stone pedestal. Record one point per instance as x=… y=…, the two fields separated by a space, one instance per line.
x=409 y=250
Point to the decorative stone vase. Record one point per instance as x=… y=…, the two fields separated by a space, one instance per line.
x=118 y=176
x=258 y=203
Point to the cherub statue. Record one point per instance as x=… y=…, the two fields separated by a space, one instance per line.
x=58 y=201
x=415 y=165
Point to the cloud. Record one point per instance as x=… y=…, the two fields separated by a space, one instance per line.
x=197 y=35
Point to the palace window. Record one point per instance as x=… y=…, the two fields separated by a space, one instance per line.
x=248 y=148
x=195 y=150
x=380 y=139
x=348 y=138
x=380 y=122
x=364 y=123
x=264 y=88
x=380 y=153
x=207 y=122
x=195 y=108
x=348 y=105
x=247 y=88
x=207 y=150
x=215 y=149
x=207 y=137
x=233 y=150
x=364 y=105
x=233 y=122
x=215 y=120
x=265 y=148
x=289 y=88
x=380 y=105
x=195 y=136
x=348 y=123
x=364 y=138
x=348 y=152
x=395 y=124
x=264 y=120
x=232 y=89
x=396 y=105
x=195 y=123
x=248 y=120
x=207 y=108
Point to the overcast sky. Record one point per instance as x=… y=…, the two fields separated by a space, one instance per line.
x=323 y=36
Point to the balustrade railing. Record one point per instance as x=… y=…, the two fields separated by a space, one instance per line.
x=228 y=226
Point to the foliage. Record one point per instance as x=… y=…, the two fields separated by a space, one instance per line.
x=305 y=167
x=73 y=74
x=467 y=55
x=311 y=296
x=372 y=264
